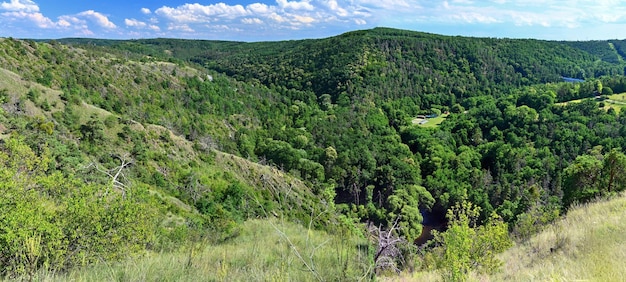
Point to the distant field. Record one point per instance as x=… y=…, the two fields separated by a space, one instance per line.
x=618 y=97
x=568 y=102
x=430 y=122
x=615 y=102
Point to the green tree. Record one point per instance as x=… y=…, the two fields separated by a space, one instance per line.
x=468 y=247
x=614 y=171
x=581 y=179
x=93 y=130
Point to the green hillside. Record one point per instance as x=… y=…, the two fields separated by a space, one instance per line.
x=180 y=143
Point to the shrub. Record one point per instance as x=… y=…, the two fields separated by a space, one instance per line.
x=56 y=221
x=464 y=247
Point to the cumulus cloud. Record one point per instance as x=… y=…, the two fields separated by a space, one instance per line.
x=24 y=15
x=295 y=5
x=197 y=13
x=254 y=17
x=36 y=18
x=140 y=25
x=180 y=27
x=20 y=6
x=282 y=14
x=98 y=18
x=557 y=13
x=259 y=8
x=334 y=6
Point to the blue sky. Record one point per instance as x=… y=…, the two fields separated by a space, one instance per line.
x=261 y=20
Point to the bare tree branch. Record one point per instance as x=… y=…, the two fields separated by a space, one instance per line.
x=116 y=174
x=388 y=253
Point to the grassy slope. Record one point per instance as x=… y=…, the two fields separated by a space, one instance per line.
x=586 y=245
x=264 y=250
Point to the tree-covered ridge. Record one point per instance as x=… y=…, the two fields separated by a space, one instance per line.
x=383 y=60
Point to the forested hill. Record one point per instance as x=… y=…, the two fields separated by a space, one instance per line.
x=389 y=64
x=374 y=126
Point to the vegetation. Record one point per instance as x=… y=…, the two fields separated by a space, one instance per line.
x=267 y=249
x=180 y=143
x=585 y=245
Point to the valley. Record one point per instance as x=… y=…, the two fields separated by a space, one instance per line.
x=120 y=157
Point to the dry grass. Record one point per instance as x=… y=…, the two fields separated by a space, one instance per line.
x=264 y=250
x=18 y=87
x=588 y=245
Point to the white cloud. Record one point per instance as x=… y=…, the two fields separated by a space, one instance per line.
x=259 y=8
x=557 y=13
x=197 y=13
x=223 y=28
x=283 y=14
x=389 y=4
x=334 y=6
x=304 y=19
x=20 y=6
x=135 y=23
x=180 y=27
x=295 y=5
x=75 y=23
x=252 y=21
x=37 y=19
x=64 y=23
x=256 y=19
x=140 y=25
x=99 y=18
x=277 y=18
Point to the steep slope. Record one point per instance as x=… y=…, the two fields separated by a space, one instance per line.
x=120 y=134
x=588 y=244
x=58 y=143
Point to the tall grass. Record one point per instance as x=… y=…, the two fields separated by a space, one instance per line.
x=588 y=244
x=264 y=250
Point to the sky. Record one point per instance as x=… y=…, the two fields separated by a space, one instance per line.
x=271 y=20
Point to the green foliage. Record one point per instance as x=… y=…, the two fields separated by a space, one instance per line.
x=534 y=221
x=93 y=130
x=590 y=176
x=468 y=247
x=56 y=222
x=332 y=119
x=405 y=203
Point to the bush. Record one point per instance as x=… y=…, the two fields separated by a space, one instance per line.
x=464 y=247
x=57 y=221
